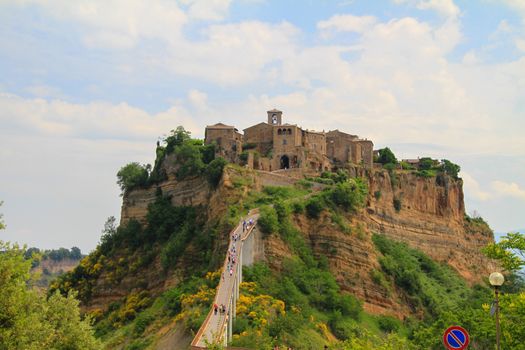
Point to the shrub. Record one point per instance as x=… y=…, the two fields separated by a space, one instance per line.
x=214 y=171
x=172 y=301
x=397 y=204
x=243 y=157
x=142 y=322
x=268 y=220
x=298 y=207
x=282 y=210
x=426 y=163
x=349 y=195
x=189 y=159
x=342 y=329
x=177 y=138
x=426 y=173
x=450 y=168
x=386 y=156
x=314 y=207
x=388 y=324
x=208 y=153
x=131 y=176
x=406 y=166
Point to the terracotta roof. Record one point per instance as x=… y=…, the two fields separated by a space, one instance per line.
x=219 y=126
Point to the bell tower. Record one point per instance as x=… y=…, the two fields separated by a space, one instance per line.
x=275 y=117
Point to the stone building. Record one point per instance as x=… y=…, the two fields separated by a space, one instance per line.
x=274 y=145
x=228 y=141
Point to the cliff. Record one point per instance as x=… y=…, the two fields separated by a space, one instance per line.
x=426 y=213
x=430 y=216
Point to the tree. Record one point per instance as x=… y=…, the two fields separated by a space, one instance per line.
x=178 y=137
x=268 y=220
x=510 y=251
x=131 y=176
x=214 y=171
x=450 y=168
x=189 y=159
x=30 y=321
x=76 y=254
x=386 y=156
x=426 y=163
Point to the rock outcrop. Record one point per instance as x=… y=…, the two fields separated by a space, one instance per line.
x=426 y=213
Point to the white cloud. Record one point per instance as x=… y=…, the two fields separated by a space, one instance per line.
x=347 y=23
x=506 y=189
x=43 y=90
x=207 y=9
x=472 y=187
x=445 y=8
x=95 y=120
x=520 y=44
x=118 y=24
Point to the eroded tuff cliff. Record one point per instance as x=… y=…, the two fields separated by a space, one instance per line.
x=426 y=213
x=430 y=216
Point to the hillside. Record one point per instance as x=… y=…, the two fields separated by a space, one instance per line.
x=326 y=263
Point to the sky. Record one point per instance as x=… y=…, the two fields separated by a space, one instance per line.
x=89 y=86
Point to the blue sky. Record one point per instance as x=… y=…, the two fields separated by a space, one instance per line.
x=87 y=86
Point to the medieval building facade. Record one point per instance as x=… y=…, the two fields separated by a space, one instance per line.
x=274 y=145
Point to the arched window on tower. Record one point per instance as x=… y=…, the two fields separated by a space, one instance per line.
x=289 y=131
x=279 y=132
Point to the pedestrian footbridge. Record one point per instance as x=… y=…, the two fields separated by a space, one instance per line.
x=217 y=327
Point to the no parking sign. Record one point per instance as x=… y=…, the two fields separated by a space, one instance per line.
x=456 y=338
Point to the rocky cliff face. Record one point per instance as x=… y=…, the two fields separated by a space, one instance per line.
x=426 y=213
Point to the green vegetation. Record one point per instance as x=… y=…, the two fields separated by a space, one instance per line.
x=397 y=204
x=430 y=286
x=192 y=158
x=53 y=254
x=268 y=220
x=131 y=176
x=347 y=196
x=386 y=156
x=509 y=251
x=168 y=232
x=28 y=319
x=450 y=168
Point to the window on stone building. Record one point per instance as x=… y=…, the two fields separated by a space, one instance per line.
x=284 y=141
x=279 y=132
x=289 y=131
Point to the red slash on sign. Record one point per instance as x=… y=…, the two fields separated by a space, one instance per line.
x=456 y=338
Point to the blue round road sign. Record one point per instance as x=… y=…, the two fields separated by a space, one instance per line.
x=456 y=338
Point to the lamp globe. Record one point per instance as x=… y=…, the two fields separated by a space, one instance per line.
x=496 y=279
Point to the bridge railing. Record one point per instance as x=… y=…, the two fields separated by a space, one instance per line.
x=232 y=290
x=196 y=340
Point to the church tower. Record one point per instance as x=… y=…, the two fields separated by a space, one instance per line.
x=275 y=117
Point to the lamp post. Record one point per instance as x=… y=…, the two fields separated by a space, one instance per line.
x=496 y=279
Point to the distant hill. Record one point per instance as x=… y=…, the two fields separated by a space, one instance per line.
x=51 y=263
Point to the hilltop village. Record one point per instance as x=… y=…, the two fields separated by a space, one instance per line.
x=272 y=145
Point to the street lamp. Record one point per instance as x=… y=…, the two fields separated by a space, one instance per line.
x=496 y=279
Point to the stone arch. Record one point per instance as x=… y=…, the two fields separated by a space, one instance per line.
x=279 y=132
x=289 y=131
